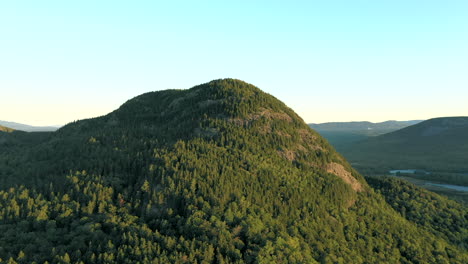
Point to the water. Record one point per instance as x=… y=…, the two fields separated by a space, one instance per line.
x=450 y=186
x=409 y=171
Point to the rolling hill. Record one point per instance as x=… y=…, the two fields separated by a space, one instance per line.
x=435 y=145
x=365 y=127
x=341 y=134
x=219 y=173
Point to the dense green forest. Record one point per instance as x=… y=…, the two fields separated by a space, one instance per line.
x=220 y=173
x=438 y=214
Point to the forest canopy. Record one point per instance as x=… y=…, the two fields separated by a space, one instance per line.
x=219 y=173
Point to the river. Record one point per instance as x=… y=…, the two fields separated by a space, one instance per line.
x=450 y=186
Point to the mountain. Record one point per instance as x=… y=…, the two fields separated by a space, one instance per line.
x=364 y=126
x=219 y=173
x=435 y=145
x=27 y=128
x=341 y=134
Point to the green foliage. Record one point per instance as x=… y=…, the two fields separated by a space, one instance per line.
x=220 y=173
x=435 y=213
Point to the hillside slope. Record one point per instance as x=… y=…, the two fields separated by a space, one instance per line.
x=440 y=215
x=220 y=173
x=439 y=144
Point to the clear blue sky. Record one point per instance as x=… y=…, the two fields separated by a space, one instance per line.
x=329 y=60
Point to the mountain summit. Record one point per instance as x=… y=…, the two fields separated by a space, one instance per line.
x=219 y=173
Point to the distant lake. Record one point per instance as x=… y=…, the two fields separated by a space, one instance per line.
x=450 y=186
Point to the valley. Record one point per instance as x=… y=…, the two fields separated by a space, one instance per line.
x=341 y=134
x=435 y=150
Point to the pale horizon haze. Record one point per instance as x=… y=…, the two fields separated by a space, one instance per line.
x=329 y=61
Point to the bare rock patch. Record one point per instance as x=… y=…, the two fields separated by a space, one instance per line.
x=338 y=170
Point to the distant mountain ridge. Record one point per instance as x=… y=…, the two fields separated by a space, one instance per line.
x=363 y=125
x=27 y=128
x=438 y=144
x=341 y=134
